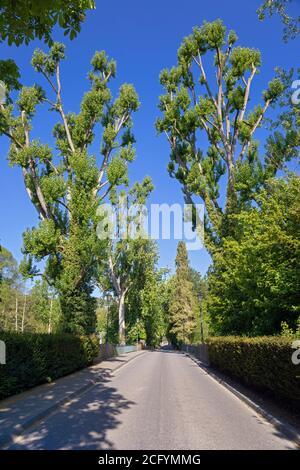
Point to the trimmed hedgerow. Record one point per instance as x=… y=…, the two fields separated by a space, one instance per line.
x=264 y=362
x=33 y=359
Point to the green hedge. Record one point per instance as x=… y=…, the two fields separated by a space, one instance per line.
x=264 y=362
x=33 y=359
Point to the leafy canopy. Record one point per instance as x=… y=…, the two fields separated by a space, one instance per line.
x=21 y=21
x=254 y=282
x=67 y=183
x=183 y=303
x=211 y=127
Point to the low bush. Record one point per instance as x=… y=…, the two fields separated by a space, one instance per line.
x=263 y=362
x=33 y=359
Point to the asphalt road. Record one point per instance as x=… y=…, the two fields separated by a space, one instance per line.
x=160 y=400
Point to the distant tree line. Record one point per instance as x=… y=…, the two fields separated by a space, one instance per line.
x=34 y=309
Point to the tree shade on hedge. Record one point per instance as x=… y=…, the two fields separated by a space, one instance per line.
x=33 y=359
x=263 y=362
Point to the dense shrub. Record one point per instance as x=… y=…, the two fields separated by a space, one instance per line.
x=264 y=362
x=32 y=359
x=254 y=283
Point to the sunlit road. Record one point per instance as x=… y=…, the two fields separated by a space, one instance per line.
x=160 y=400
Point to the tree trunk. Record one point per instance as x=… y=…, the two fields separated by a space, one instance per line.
x=50 y=317
x=5 y=319
x=122 y=318
x=16 y=315
x=23 y=315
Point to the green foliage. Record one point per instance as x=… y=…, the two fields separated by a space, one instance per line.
x=265 y=363
x=144 y=300
x=200 y=287
x=242 y=59
x=42 y=240
x=131 y=273
x=152 y=313
x=167 y=292
x=136 y=272
x=44 y=307
x=252 y=233
x=117 y=171
x=137 y=332
x=10 y=74
x=21 y=309
x=284 y=140
x=289 y=332
x=24 y=20
x=29 y=98
x=113 y=323
x=254 y=282
x=8 y=266
x=33 y=359
x=107 y=319
x=275 y=89
x=183 y=304
x=10 y=289
x=130 y=254
x=75 y=284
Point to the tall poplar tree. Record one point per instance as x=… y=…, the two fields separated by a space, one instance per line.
x=127 y=247
x=183 y=304
x=24 y=20
x=211 y=126
x=66 y=184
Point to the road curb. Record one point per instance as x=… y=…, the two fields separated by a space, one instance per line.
x=289 y=431
x=8 y=438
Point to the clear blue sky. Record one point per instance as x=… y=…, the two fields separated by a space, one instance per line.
x=143 y=37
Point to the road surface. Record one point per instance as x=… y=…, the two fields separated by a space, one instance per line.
x=159 y=400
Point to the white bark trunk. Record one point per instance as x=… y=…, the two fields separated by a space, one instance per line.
x=122 y=318
x=23 y=315
x=16 y=315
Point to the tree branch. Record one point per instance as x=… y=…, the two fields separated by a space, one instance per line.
x=61 y=111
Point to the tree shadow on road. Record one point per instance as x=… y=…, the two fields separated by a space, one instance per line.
x=83 y=423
